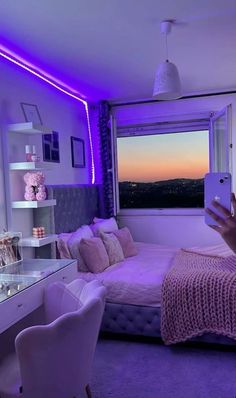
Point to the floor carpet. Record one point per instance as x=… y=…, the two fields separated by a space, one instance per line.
x=126 y=369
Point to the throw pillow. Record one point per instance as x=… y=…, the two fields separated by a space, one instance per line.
x=74 y=243
x=62 y=245
x=94 y=254
x=97 y=219
x=108 y=225
x=126 y=241
x=113 y=248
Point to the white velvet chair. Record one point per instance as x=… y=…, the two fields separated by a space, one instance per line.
x=55 y=360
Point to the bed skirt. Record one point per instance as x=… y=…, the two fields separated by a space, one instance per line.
x=145 y=321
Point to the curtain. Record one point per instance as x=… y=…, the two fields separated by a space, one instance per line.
x=106 y=160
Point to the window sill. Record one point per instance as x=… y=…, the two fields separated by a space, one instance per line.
x=161 y=212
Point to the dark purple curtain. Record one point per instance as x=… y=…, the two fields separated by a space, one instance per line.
x=106 y=156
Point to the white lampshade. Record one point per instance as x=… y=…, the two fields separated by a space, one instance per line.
x=167 y=82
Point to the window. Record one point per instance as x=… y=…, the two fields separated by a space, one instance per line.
x=163 y=170
x=161 y=163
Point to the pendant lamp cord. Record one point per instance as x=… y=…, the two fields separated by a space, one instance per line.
x=167 y=55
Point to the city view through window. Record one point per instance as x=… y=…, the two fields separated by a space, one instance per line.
x=163 y=171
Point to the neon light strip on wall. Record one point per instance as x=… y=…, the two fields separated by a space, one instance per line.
x=15 y=59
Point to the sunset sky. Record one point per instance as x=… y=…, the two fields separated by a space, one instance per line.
x=164 y=156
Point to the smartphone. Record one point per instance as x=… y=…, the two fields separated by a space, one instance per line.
x=217 y=186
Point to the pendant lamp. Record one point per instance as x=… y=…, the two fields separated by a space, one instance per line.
x=167 y=84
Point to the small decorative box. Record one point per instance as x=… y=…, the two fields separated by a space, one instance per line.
x=38 y=232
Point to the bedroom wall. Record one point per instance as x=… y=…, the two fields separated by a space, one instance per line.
x=175 y=230
x=2 y=193
x=58 y=112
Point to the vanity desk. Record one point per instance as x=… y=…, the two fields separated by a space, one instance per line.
x=22 y=286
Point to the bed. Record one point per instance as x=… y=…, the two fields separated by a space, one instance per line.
x=134 y=309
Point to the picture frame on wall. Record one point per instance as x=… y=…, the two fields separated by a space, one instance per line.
x=51 y=150
x=77 y=152
x=31 y=113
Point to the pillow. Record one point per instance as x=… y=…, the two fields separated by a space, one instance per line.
x=113 y=248
x=97 y=219
x=74 y=242
x=62 y=245
x=94 y=254
x=106 y=225
x=126 y=241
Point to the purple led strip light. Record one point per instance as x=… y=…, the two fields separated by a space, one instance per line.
x=15 y=59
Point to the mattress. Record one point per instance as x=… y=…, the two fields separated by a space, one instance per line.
x=136 y=280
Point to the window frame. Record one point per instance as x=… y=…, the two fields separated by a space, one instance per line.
x=165 y=124
x=215 y=164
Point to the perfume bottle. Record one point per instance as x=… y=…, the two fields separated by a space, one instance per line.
x=34 y=156
x=28 y=153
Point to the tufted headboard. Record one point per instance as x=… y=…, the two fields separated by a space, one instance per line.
x=76 y=205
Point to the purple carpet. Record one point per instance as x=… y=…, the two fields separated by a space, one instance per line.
x=126 y=369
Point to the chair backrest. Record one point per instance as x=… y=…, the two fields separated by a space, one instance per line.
x=56 y=359
x=57 y=295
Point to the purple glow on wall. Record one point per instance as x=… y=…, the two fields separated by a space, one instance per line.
x=70 y=91
x=90 y=143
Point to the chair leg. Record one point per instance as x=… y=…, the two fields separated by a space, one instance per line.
x=88 y=391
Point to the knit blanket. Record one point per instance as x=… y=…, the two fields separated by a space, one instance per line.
x=198 y=296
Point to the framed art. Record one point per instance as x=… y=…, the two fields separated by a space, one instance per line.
x=51 y=151
x=31 y=113
x=77 y=152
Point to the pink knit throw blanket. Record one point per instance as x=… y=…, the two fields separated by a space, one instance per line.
x=198 y=296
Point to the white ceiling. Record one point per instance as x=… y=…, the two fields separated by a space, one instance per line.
x=110 y=49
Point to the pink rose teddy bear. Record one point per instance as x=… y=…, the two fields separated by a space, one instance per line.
x=35 y=188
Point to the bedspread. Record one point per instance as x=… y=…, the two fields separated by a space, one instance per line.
x=198 y=296
x=136 y=280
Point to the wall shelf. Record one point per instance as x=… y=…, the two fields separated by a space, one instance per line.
x=34 y=204
x=29 y=166
x=29 y=128
x=38 y=242
x=20 y=134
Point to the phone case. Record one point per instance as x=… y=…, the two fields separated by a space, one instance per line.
x=217 y=186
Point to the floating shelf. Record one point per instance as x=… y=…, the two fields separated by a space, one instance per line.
x=38 y=242
x=30 y=166
x=29 y=128
x=34 y=204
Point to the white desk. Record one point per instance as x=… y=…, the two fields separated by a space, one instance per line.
x=22 y=286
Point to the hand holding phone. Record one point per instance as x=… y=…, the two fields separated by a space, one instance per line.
x=217 y=189
x=226 y=225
